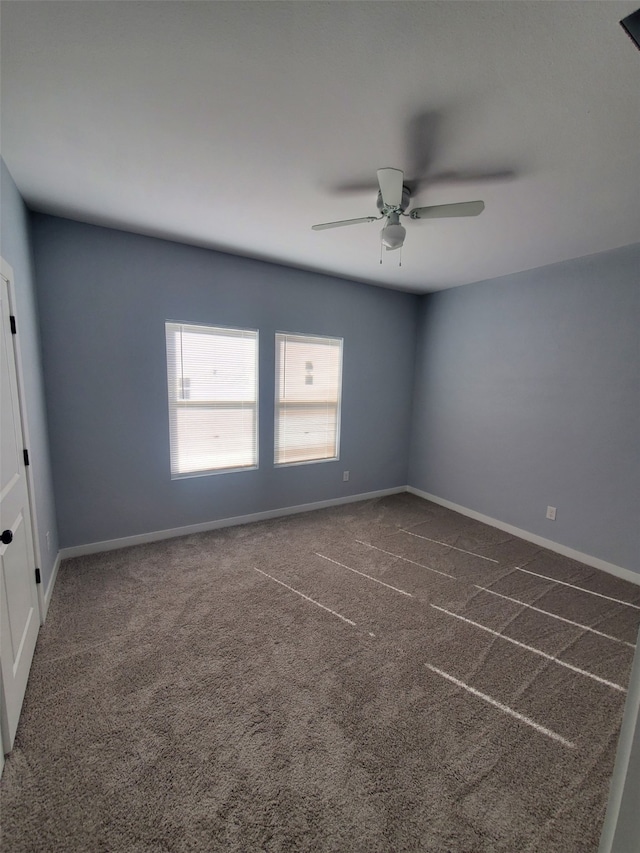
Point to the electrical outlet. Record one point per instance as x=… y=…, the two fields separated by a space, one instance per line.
x=551 y=513
x=345 y=476
x=48 y=538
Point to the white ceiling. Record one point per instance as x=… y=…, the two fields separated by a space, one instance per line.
x=238 y=125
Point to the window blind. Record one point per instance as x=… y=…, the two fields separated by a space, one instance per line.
x=308 y=396
x=213 y=387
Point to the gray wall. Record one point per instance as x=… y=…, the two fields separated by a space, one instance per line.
x=104 y=296
x=527 y=395
x=16 y=250
x=526 y=387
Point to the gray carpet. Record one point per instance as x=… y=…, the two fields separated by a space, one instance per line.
x=182 y=700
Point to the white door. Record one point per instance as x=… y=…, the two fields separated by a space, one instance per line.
x=19 y=617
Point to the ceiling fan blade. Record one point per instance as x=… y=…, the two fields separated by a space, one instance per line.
x=342 y=222
x=424 y=144
x=351 y=187
x=390 y=181
x=440 y=211
x=471 y=176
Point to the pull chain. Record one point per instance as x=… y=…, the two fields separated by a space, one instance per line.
x=380 y=251
x=400 y=263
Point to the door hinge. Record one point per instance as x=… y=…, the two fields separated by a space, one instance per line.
x=25 y=456
x=38 y=580
x=12 y=323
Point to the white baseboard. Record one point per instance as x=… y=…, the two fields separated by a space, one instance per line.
x=595 y=562
x=45 y=596
x=155 y=536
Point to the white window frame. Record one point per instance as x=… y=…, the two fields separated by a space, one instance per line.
x=229 y=404
x=276 y=404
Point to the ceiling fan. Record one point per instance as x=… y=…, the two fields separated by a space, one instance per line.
x=393 y=200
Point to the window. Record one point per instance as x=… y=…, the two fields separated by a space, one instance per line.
x=308 y=392
x=213 y=388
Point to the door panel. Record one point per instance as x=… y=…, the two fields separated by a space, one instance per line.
x=19 y=618
x=17 y=585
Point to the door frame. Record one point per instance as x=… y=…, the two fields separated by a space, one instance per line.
x=6 y=270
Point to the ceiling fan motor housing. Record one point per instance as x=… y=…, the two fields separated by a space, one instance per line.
x=384 y=209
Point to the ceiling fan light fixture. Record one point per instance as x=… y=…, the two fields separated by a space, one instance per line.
x=393 y=235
